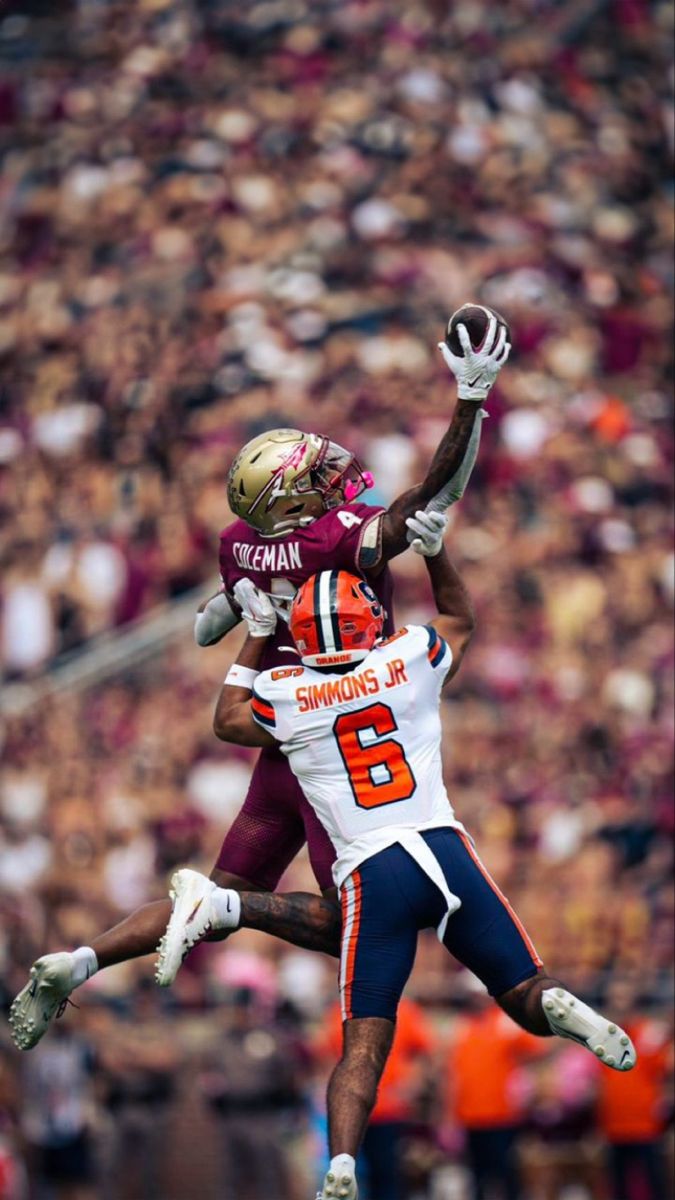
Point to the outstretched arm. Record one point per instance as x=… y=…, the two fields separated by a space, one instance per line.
x=445 y=464
x=475 y=371
x=455 y=621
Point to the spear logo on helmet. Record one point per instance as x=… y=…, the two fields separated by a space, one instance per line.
x=274 y=488
x=285 y=479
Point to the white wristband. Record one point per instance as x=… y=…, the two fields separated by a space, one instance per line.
x=243 y=677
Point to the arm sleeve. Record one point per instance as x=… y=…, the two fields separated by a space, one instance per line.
x=454 y=489
x=215 y=621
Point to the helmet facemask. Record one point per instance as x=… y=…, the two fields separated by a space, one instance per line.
x=338 y=475
x=286 y=479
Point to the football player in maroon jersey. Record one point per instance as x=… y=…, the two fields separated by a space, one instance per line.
x=296 y=497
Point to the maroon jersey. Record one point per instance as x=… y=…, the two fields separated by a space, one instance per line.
x=347 y=538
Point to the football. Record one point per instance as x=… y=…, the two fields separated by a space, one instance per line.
x=476 y=319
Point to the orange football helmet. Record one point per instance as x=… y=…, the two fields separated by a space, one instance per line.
x=335 y=618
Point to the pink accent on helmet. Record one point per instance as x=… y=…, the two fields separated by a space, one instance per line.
x=352 y=489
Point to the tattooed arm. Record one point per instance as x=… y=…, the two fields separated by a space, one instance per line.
x=446 y=462
x=475 y=369
x=312 y=922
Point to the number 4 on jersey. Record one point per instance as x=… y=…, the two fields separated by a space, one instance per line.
x=348 y=519
x=361 y=760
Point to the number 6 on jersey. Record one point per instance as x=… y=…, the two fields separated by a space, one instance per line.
x=362 y=762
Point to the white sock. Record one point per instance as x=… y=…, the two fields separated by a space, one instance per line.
x=85 y=964
x=343 y=1162
x=225 y=906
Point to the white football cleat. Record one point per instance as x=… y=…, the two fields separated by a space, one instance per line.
x=190 y=920
x=340 y=1182
x=569 y=1017
x=48 y=988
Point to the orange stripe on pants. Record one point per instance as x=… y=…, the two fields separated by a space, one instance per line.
x=351 y=924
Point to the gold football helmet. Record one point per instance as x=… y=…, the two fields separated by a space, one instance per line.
x=286 y=478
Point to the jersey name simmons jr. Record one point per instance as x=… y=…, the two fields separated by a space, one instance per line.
x=365 y=746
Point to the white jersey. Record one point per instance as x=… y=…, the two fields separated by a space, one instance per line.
x=366 y=746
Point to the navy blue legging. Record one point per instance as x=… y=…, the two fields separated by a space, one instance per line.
x=389 y=899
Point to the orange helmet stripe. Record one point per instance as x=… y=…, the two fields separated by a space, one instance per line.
x=336 y=617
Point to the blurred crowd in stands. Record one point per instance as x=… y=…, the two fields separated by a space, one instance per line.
x=217 y=218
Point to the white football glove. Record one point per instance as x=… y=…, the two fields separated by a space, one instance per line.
x=256 y=608
x=427 y=529
x=476 y=370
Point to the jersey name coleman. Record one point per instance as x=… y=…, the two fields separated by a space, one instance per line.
x=272 y=558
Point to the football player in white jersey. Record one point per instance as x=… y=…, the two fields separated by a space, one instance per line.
x=296 y=499
x=359 y=722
